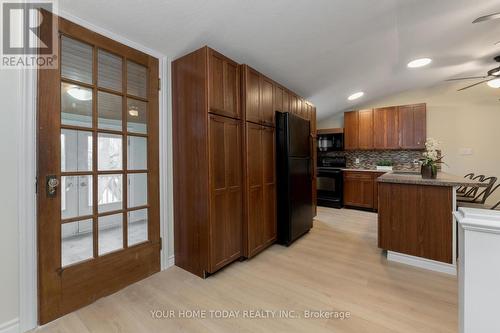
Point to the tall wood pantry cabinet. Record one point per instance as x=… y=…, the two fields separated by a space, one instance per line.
x=208 y=161
x=224 y=159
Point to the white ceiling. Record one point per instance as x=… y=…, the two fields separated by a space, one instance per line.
x=324 y=50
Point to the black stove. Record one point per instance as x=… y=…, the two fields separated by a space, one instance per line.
x=330 y=181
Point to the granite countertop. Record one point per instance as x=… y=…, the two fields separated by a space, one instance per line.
x=443 y=179
x=375 y=170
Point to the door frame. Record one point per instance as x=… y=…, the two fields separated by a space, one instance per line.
x=27 y=166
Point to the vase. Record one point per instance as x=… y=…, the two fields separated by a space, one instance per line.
x=428 y=171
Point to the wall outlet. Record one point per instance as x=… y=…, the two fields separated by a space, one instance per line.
x=356 y=161
x=466 y=151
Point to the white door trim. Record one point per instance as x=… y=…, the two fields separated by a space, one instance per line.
x=166 y=165
x=26 y=200
x=28 y=288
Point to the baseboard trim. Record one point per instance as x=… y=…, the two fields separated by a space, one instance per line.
x=11 y=326
x=422 y=263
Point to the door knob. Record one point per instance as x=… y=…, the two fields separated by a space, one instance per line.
x=52 y=184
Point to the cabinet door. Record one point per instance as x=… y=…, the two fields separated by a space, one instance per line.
x=269 y=180
x=351 y=130
x=412 y=126
x=254 y=229
x=420 y=127
x=252 y=95
x=293 y=103
x=278 y=98
x=365 y=129
x=375 y=189
x=386 y=128
x=266 y=101
x=299 y=110
x=216 y=82
x=226 y=211
x=223 y=85
x=358 y=189
x=286 y=101
x=232 y=89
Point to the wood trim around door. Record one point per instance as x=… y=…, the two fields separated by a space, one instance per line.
x=62 y=290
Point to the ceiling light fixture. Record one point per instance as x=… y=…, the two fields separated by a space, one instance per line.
x=494 y=83
x=355 y=96
x=80 y=94
x=133 y=111
x=419 y=62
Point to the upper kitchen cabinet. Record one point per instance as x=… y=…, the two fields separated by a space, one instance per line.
x=395 y=127
x=251 y=95
x=266 y=100
x=258 y=97
x=413 y=126
x=386 y=128
x=293 y=103
x=300 y=104
x=351 y=130
x=223 y=85
x=286 y=101
x=365 y=129
x=278 y=98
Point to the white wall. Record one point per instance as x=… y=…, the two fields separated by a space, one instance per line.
x=467 y=119
x=9 y=254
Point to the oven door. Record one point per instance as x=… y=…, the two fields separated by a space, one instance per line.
x=330 y=188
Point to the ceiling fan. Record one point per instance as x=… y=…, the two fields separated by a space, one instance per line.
x=487 y=18
x=492 y=75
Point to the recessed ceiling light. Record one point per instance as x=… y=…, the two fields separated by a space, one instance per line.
x=494 y=83
x=80 y=94
x=419 y=62
x=355 y=96
x=133 y=112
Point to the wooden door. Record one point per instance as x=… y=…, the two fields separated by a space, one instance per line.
x=358 y=189
x=226 y=213
x=365 y=128
x=269 y=183
x=254 y=228
x=266 y=101
x=386 y=128
x=412 y=126
x=252 y=95
x=351 y=130
x=98 y=222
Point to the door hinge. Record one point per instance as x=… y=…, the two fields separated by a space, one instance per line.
x=159 y=84
x=36 y=185
x=161 y=243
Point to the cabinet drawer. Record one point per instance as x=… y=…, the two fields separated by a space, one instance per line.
x=358 y=175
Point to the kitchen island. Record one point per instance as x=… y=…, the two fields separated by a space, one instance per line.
x=415 y=218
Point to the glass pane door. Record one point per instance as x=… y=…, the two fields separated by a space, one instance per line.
x=104 y=171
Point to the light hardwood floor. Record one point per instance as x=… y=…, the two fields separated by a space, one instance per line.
x=336 y=267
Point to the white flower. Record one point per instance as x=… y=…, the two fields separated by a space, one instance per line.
x=431 y=149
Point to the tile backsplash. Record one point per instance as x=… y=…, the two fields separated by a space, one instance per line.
x=368 y=159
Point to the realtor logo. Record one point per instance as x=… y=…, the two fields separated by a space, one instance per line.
x=29 y=34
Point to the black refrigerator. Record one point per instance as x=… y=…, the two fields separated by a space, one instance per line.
x=294 y=177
